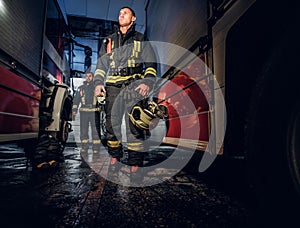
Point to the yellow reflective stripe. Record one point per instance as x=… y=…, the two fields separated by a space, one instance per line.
x=135 y=146
x=112 y=61
x=131 y=62
x=95 y=100
x=138 y=76
x=154 y=74
x=89 y=109
x=83 y=100
x=150 y=70
x=135 y=53
x=74 y=106
x=135 y=143
x=84 y=141
x=137 y=48
x=96 y=141
x=137 y=45
x=114 y=79
x=51 y=162
x=113 y=144
x=42 y=164
x=100 y=73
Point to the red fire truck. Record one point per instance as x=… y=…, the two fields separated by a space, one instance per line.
x=35 y=98
x=252 y=49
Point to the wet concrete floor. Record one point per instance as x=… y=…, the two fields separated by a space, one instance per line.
x=78 y=194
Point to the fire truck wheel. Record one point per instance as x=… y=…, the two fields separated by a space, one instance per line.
x=63 y=133
x=273 y=141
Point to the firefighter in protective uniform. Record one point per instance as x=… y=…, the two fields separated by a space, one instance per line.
x=89 y=113
x=125 y=72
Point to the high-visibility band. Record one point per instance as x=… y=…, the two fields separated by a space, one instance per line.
x=100 y=73
x=114 y=79
x=74 y=106
x=137 y=45
x=150 y=70
x=135 y=146
x=95 y=100
x=134 y=54
x=96 y=141
x=83 y=100
x=112 y=61
x=136 y=149
x=42 y=164
x=84 y=141
x=51 y=162
x=131 y=62
x=135 y=143
x=89 y=109
x=113 y=144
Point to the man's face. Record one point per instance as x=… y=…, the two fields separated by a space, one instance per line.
x=89 y=77
x=126 y=17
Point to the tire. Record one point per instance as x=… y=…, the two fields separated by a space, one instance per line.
x=272 y=141
x=294 y=146
x=63 y=134
x=52 y=144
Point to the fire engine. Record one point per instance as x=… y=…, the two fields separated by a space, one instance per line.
x=251 y=48
x=35 y=99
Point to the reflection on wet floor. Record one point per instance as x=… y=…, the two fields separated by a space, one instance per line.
x=160 y=164
x=78 y=194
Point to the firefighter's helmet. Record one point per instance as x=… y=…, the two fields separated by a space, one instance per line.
x=142 y=117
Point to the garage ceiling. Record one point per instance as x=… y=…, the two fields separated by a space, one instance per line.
x=91 y=20
x=105 y=9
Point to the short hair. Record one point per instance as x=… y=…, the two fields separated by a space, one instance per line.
x=127 y=7
x=89 y=72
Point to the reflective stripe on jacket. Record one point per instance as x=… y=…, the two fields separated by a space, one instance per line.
x=131 y=50
x=85 y=96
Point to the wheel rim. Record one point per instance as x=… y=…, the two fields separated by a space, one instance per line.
x=65 y=131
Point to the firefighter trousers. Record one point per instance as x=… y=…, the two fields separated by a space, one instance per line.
x=119 y=102
x=88 y=121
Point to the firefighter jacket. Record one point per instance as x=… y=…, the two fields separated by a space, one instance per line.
x=86 y=96
x=124 y=58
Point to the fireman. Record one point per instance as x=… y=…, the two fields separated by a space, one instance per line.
x=125 y=72
x=89 y=112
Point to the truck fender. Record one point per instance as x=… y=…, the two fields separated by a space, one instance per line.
x=58 y=100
